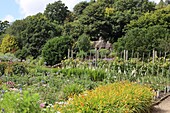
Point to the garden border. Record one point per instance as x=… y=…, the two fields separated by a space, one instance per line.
x=161 y=99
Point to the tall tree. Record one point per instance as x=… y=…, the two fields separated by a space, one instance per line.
x=158 y=17
x=107 y=19
x=95 y=24
x=16 y=29
x=56 y=12
x=36 y=31
x=3 y=26
x=73 y=29
x=78 y=8
x=145 y=40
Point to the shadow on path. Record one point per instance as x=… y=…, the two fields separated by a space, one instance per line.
x=163 y=107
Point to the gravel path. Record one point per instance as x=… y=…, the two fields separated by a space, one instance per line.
x=163 y=107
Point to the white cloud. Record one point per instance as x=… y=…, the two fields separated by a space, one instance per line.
x=31 y=7
x=71 y=3
x=156 y=1
x=9 y=18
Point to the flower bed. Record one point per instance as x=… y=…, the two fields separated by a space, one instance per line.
x=119 y=97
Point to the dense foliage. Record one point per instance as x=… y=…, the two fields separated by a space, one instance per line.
x=83 y=43
x=9 y=44
x=3 y=26
x=18 y=102
x=36 y=31
x=56 y=50
x=144 y=40
x=110 y=20
x=56 y=12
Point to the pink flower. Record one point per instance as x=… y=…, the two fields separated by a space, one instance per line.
x=42 y=105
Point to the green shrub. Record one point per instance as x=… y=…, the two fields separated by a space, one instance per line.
x=56 y=50
x=7 y=57
x=81 y=54
x=15 y=102
x=83 y=43
x=9 y=44
x=103 y=52
x=120 y=97
x=2 y=68
x=13 y=68
x=19 y=68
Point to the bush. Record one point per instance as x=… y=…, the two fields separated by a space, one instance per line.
x=83 y=43
x=120 y=97
x=9 y=44
x=7 y=57
x=2 y=68
x=12 y=68
x=103 y=52
x=19 y=68
x=15 y=102
x=56 y=50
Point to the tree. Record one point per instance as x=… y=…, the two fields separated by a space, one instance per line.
x=16 y=29
x=138 y=6
x=95 y=24
x=107 y=19
x=73 y=29
x=78 y=8
x=9 y=44
x=83 y=43
x=126 y=11
x=144 y=40
x=158 y=17
x=32 y=33
x=3 y=26
x=56 y=49
x=56 y=12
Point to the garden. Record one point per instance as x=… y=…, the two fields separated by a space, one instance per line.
x=77 y=85
x=105 y=56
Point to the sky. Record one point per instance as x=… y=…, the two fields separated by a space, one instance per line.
x=12 y=10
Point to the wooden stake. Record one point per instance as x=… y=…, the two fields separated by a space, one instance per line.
x=71 y=53
x=132 y=53
x=126 y=55
x=68 y=54
x=153 y=55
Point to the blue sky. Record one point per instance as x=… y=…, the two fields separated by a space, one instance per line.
x=17 y=9
x=9 y=9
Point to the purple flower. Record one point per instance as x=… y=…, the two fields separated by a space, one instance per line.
x=20 y=89
x=3 y=91
x=3 y=110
